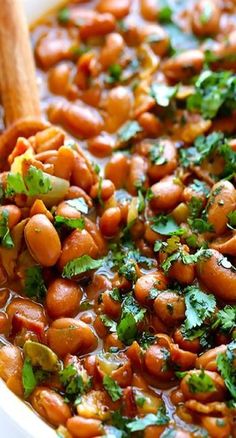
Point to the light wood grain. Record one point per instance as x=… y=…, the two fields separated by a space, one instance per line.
x=18 y=86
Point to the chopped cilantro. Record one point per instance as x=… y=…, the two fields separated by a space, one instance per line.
x=199 y=306
x=34 y=283
x=195 y=206
x=200 y=187
x=109 y=323
x=69 y=222
x=226 y=319
x=165 y=11
x=165 y=225
x=5 y=236
x=206 y=13
x=115 y=73
x=146 y=339
x=35 y=182
x=80 y=265
x=132 y=314
x=75 y=381
x=128 y=131
x=200 y=382
x=214 y=92
x=161 y=418
x=232 y=220
x=185 y=258
x=63 y=15
x=78 y=204
x=115 y=294
x=226 y=366
x=156 y=154
x=200 y=225
x=163 y=94
x=28 y=378
x=112 y=387
x=179 y=39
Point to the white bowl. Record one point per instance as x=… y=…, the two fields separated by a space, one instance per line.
x=17 y=420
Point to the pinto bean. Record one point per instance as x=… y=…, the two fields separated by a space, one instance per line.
x=117 y=170
x=64 y=163
x=102 y=145
x=49 y=139
x=27 y=309
x=149 y=9
x=206 y=18
x=77 y=244
x=169 y=154
x=217 y=427
x=221 y=202
x=58 y=78
x=110 y=221
x=97 y=25
x=217 y=274
x=156 y=362
x=119 y=106
x=167 y=193
x=117 y=8
x=207 y=360
x=184 y=343
x=53 y=47
x=145 y=283
x=83 y=121
x=11 y=364
x=111 y=51
x=81 y=174
x=71 y=336
x=150 y=123
x=106 y=191
x=225 y=244
x=14 y=214
x=63 y=298
x=82 y=427
x=184 y=66
x=50 y=405
x=161 y=45
x=170 y=307
x=137 y=173
x=217 y=393
x=182 y=273
x=42 y=240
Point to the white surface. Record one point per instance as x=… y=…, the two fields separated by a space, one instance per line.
x=16 y=419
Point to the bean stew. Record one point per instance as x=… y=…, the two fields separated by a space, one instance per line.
x=118 y=224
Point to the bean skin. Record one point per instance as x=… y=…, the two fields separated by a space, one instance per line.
x=149 y=9
x=119 y=107
x=221 y=202
x=218 y=276
x=156 y=363
x=102 y=145
x=77 y=244
x=158 y=171
x=167 y=193
x=209 y=25
x=117 y=8
x=207 y=360
x=71 y=336
x=81 y=174
x=63 y=298
x=26 y=308
x=184 y=65
x=97 y=25
x=170 y=307
x=11 y=364
x=107 y=190
x=225 y=245
x=112 y=49
x=42 y=240
x=117 y=170
x=50 y=405
x=145 y=283
x=82 y=427
x=110 y=221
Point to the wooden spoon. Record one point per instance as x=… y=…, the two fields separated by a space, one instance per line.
x=18 y=84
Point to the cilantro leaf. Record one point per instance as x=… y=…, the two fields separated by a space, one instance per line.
x=165 y=225
x=214 y=91
x=232 y=220
x=69 y=222
x=34 y=283
x=179 y=39
x=78 y=204
x=200 y=187
x=149 y=420
x=226 y=319
x=156 y=154
x=226 y=366
x=80 y=265
x=28 y=378
x=128 y=131
x=146 y=339
x=63 y=15
x=195 y=206
x=200 y=225
x=35 y=182
x=131 y=315
x=5 y=236
x=112 y=387
x=165 y=11
x=115 y=73
x=200 y=382
x=109 y=323
x=163 y=94
x=199 y=306
x=75 y=381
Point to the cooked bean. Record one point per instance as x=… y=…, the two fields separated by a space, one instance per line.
x=14 y=214
x=82 y=427
x=217 y=273
x=157 y=363
x=111 y=51
x=119 y=106
x=77 y=244
x=225 y=245
x=169 y=154
x=150 y=123
x=97 y=25
x=206 y=18
x=49 y=139
x=81 y=174
x=222 y=201
x=64 y=163
x=182 y=273
x=117 y=170
x=158 y=35
x=11 y=364
x=147 y=282
x=170 y=307
x=102 y=145
x=167 y=193
x=217 y=427
x=217 y=393
x=184 y=65
x=117 y=8
x=71 y=336
x=50 y=405
x=58 y=78
x=42 y=240
x=106 y=190
x=110 y=221
x=26 y=308
x=149 y=9
x=63 y=298
x=207 y=360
